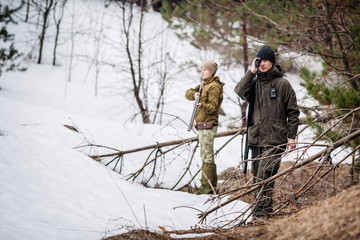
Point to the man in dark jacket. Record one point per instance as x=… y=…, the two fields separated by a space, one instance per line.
x=275 y=122
x=206 y=118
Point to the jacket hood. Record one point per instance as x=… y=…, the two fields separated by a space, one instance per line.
x=214 y=79
x=274 y=72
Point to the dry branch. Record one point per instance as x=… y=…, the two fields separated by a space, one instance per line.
x=230 y=132
x=331 y=148
x=169 y=143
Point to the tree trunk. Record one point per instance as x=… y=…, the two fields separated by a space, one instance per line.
x=57 y=23
x=55 y=44
x=27 y=10
x=137 y=80
x=244 y=105
x=48 y=6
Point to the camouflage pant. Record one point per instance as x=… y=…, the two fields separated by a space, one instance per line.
x=208 y=169
x=206 y=140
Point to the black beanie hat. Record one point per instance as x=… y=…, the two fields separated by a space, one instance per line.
x=266 y=52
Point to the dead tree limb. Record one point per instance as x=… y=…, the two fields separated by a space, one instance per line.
x=134 y=175
x=331 y=127
x=302 y=191
x=334 y=146
x=230 y=132
x=165 y=144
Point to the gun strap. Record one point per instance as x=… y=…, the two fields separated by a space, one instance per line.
x=249 y=121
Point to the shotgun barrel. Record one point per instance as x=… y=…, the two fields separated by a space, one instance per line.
x=193 y=113
x=197 y=99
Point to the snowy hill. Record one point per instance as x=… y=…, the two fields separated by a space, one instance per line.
x=50 y=187
x=52 y=190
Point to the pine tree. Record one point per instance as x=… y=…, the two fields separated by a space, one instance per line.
x=8 y=52
x=328 y=29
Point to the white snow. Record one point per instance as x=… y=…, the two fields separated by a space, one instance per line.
x=49 y=186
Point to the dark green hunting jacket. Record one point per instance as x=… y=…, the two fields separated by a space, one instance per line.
x=274 y=119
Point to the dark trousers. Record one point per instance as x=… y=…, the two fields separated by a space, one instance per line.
x=261 y=170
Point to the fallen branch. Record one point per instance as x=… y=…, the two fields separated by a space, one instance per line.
x=302 y=191
x=230 y=132
x=334 y=146
x=165 y=144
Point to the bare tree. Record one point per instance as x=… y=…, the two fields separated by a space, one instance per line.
x=328 y=29
x=159 y=66
x=58 y=16
x=135 y=58
x=27 y=10
x=219 y=25
x=243 y=104
x=44 y=8
x=72 y=43
x=165 y=70
x=98 y=36
x=96 y=61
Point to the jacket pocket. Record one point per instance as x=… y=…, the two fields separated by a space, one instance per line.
x=277 y=133
x=253 y=135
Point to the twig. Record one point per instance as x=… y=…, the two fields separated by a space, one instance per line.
x=188 y=167
x=298 y=165
x=238 y=132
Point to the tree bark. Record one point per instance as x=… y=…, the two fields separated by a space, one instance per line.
x=57 y=24
x=46 y=12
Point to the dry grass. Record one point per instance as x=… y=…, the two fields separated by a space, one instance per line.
x=329 y=210
x=335 y=218
x=139 y=235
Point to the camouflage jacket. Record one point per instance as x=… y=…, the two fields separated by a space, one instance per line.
x=211 y=99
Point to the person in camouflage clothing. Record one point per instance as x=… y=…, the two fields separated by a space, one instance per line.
x=207 y=122
x=275 y=121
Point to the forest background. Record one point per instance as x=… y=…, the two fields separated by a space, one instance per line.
x=229 y=31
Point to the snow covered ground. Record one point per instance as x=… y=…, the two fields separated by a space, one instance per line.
x=52 y=190
x=49 y=187
x=49 y=190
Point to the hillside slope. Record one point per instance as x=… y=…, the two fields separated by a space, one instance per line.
x=337 y=217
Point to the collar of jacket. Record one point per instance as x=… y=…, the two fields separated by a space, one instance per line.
x=274 y=72
x=211 y=79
